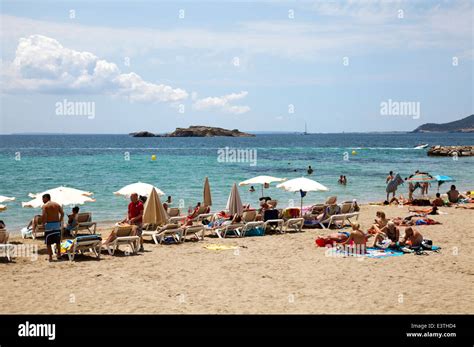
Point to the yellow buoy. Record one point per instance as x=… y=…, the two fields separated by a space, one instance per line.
x=354 y=152
x=153 y=157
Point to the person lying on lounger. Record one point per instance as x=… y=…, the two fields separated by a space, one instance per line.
x=412 y=238
x=389 y=234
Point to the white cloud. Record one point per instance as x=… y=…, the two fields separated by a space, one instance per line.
x=348 y=27
x=223 y=103
x=43 y=65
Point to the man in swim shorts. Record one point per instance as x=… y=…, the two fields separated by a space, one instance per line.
x=52 y=218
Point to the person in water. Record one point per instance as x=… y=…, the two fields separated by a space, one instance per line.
x=252 y=189
x=310 y=170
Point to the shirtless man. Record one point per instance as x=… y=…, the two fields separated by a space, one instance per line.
x=388 y=232
x=356 y=241
x=454 y=195
x=52 y=219
x=412 y=238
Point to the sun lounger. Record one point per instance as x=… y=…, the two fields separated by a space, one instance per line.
x=345 y=213
x=124 y=236
x=294 y=224
x=272 y=221
x=5 y=248
x=84 y=222
x=159 y=234
x=249 y=216
x=194 y=231
x=39 y=229
x=91 y=243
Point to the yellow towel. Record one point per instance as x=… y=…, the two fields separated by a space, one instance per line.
x=214 y=247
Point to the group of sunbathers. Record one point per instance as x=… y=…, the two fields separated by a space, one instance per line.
x=386 y=234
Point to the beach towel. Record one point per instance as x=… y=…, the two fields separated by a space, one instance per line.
x=374 y=253
x=214 y=247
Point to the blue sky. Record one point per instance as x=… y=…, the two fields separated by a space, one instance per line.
x=183 y=71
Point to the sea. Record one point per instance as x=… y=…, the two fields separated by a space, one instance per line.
x=103 y=164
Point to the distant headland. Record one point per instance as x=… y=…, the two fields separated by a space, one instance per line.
x=196 y=131
x=465 y=125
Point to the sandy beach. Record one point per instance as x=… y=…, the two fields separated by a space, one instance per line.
x=270 y=274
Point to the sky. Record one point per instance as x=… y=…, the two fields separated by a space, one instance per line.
x=123 y=66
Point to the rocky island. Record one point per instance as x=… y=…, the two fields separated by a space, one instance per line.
x=465 y=125
x=196 y=131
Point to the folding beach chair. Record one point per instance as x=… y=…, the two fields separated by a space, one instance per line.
x=84 y=222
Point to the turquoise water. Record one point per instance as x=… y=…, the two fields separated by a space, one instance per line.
x=97 y=163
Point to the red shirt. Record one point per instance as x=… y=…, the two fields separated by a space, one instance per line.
x=134 y=210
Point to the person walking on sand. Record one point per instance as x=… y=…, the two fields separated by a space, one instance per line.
x=52 y=218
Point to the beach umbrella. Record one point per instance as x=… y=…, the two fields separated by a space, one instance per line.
x=207 y=200
x=302 y=185
x=234 y=203
x=441 y=179
x=154 y=212
x=5 y=199
x=143 y=189
x=62 y=195
x=263 y=180
x=421 y=177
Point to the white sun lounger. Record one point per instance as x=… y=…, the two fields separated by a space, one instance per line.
x=341 y=217
x=294 y=224
x=275 y=225
x=5 y=248
x=194 y=231
x=223 y=230
x=123 y=237
x=159 y=234
x=80 y=245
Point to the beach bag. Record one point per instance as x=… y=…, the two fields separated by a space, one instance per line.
x=258 y=231
x=427 y=244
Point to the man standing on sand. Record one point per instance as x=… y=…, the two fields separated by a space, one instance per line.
x=52 y=218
